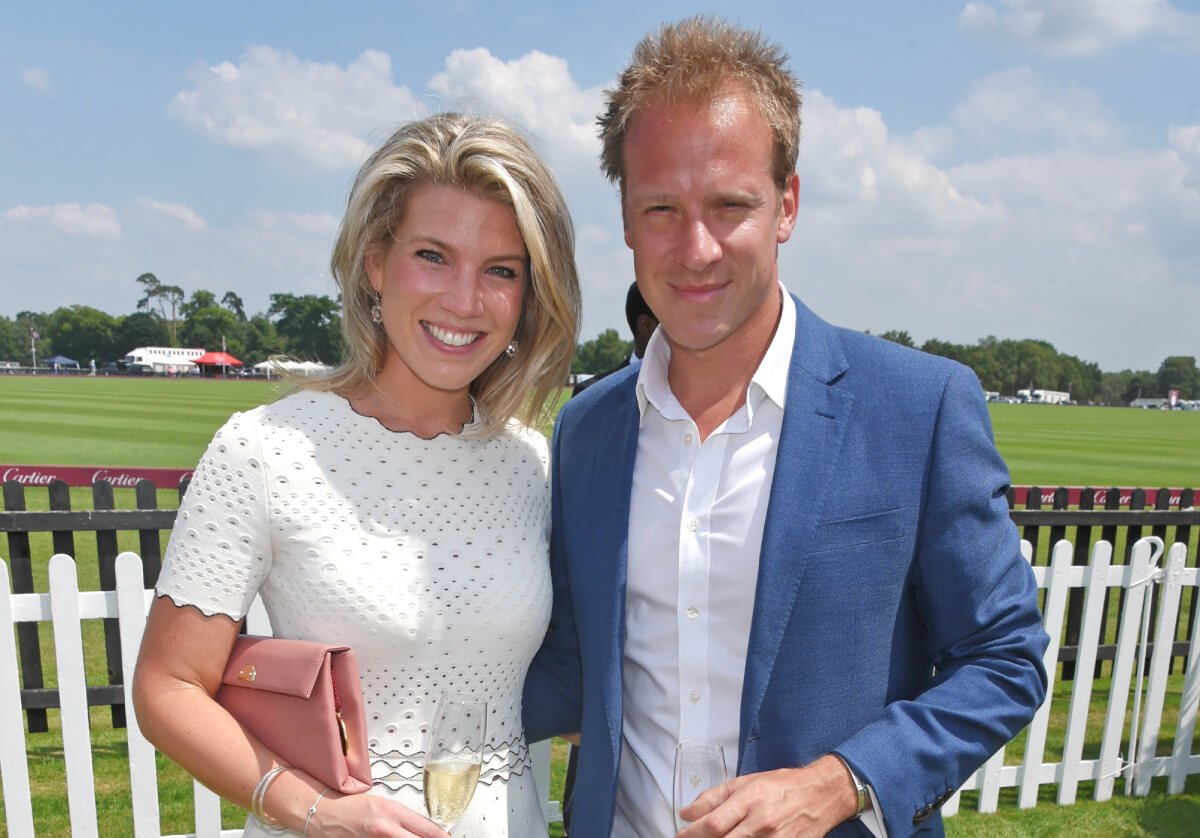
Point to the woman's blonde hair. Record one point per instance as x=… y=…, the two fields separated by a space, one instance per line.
x=487 y=157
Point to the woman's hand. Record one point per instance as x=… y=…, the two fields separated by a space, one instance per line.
x=352 y=815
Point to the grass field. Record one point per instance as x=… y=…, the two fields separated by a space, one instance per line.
x=55 y=420
x=167 y=423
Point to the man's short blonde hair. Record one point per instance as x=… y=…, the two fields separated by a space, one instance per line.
x=489 y=158
x=698 y=60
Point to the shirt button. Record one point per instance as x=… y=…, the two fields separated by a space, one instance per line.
x=687 y=439
x=694 y=696
x=693 y=525
x=693 y=612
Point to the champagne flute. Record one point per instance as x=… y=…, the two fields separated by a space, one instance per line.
x=454 y=757
x=699 y=766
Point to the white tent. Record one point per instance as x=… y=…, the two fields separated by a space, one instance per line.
x=273 y=367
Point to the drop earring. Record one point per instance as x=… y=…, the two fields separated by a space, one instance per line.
x=510 y=351
x=377 y=309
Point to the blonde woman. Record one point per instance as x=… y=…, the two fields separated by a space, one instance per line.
x=399 y=506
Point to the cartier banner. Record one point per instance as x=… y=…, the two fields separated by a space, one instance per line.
x=1099 y=499
x=118 y=476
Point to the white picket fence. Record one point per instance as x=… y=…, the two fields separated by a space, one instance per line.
x=65 y=606
x=1135 y=636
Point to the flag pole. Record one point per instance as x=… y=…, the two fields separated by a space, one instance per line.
x=33 y=349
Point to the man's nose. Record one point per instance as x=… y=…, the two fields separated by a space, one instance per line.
x=699 y=248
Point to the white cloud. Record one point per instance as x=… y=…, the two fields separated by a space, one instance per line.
x=185 y=215
x=95 y=221
x=536 y=91
x=321 y=224
x=1080 y=238
x=1077 y=27
x=332 y=115
x=1018 y=103
x=1185 y=139
x=316 y=112
x=850 y=160
x=37 y=78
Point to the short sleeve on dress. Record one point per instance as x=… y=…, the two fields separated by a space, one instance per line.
x=220 y=548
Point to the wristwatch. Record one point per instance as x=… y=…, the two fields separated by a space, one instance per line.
x=860 y=788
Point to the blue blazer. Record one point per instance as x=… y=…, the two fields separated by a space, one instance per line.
x=895 y=622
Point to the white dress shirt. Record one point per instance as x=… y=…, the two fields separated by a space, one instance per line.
x=695 y=532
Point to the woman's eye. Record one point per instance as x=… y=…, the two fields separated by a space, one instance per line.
x=505 y=272
x=431 y=256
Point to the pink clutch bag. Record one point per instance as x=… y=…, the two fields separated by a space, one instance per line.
x=303 y=700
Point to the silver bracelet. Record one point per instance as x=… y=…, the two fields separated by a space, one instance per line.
x=312 y=810
x=259 y=797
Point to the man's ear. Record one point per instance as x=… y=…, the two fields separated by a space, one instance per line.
x=789 y=208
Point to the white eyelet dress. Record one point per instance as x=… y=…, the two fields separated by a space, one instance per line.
x=427 y=557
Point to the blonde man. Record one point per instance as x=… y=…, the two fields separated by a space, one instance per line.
x=786 y=537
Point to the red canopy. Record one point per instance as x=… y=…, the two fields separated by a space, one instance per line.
x=217 y=359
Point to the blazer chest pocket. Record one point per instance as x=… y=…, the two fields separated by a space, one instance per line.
x=861 y=529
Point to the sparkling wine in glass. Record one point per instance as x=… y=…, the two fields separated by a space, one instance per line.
x=454 y=757
x=699 y=766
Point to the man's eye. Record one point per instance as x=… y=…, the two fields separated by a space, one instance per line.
x=431 y=256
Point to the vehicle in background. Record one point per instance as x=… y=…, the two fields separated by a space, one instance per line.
x=162 y=360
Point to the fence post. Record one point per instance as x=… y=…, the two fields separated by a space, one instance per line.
x=14 y=761
x=1189 y=706
x=1033 y=500
x=1057 y=583
x=106 y=558
x=32 y=677
x=1087 y=639
x=1183 y=535
x=149 y=541
x=1156 y=687
x=143 y=773
x=72 y=692
x=1122 y=671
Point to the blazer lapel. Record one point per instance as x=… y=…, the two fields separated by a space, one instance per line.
x=814 y=424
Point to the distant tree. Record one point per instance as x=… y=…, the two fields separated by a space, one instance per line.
x=200 y=299
x=898 y=336
x=14 y=341
x=261 y=341
x=34 y=321
x=165 y=297
x=310 y=326
x=140 y=329
x=1178 y=372
x=83 y=333
x=210 y=326
x=1114 y=386
x=234 y=303
x=945 y=349
x=1141 y=385
x=603 y=353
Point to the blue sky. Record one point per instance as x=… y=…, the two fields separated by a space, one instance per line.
x=1017 y=168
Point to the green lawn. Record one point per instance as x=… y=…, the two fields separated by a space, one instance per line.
x=1051 y=445
x=167 y=423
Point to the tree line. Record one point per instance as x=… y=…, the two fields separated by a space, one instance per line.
x=1003 y=366
x=302 y=326
x=308 y=327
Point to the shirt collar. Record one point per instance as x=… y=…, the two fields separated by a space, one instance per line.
x=769 y=380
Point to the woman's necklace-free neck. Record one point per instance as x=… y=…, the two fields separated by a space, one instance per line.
x=397 y=416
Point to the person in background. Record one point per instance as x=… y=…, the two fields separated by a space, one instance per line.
x=775 y=534
x=642 y=324
x=400 y=505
